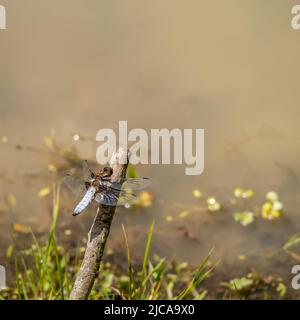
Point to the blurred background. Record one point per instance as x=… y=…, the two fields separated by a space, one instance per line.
x=230 y=67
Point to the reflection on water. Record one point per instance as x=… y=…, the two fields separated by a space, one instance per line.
x=230 y=68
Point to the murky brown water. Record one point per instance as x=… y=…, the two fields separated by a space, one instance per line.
x=228 y=67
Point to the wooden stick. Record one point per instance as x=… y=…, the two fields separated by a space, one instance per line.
x=98 y=235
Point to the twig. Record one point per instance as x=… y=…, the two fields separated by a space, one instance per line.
x=98 y=235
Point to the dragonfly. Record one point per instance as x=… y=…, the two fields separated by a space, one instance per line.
x=97 y=186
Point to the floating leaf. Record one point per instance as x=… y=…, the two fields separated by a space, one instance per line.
x=11 y=200
x=197 y=193
x=269 y=212
x=184 y=214
x=215 y=207
x=211 y=201
x=249 y=193
x=243 y=193
x=145 y=199
x=21 y=228
x=272 y=208
x=238 y=192
x=212 y=204
x=242 y=257
x=277 y=206
x=266 y=211
x=244 y=218
x=44 y=192
x=272 y=196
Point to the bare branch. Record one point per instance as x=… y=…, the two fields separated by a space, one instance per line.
x=98 y=235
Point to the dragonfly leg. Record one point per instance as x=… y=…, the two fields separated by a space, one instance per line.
x=87 y=184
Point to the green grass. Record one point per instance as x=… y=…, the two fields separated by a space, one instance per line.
x=41 y=270
x=46 y=270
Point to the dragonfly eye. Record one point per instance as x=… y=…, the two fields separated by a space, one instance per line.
x=107 y=171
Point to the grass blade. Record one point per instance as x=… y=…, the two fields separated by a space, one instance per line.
x=146 y=255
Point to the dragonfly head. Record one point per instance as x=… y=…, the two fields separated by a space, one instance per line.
x=106 y=172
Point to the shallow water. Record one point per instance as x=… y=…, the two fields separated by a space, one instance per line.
x=230 y=68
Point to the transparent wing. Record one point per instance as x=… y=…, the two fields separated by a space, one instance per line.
x=127 y=184
x=87 y=171
x=75 y=184
x=111 y=199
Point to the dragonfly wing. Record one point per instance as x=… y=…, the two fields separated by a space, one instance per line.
x=108 y=199
x=136 y=183
x=75 y=184
x=126 y=197
x=87 y=171
x=112 y=199
x=130 y=184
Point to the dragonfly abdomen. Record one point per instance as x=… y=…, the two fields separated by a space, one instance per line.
x=86 y=200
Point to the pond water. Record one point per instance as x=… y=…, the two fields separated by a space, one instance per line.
x=230 y=67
